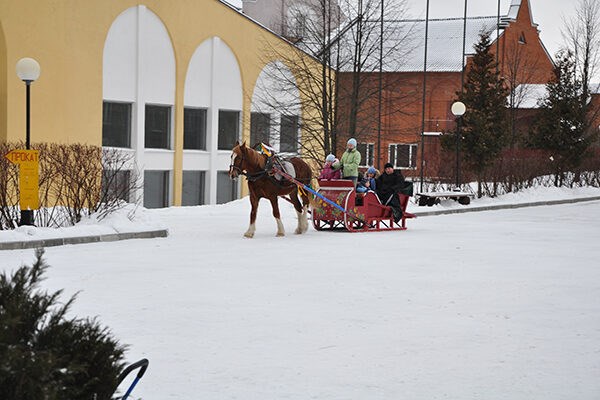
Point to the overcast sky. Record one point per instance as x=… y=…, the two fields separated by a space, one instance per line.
x=548 y=14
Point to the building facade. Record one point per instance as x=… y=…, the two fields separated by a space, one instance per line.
x=295 y=20
x=171 y=83
x=521 y=56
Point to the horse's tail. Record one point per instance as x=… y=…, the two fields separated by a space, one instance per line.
x=304 y=177
x=307 y=197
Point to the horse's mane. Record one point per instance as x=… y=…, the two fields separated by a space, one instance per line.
x=255 y=157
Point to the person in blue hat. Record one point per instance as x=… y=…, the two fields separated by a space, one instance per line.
x=349 y=162
x=327 y=172
x=368 y=181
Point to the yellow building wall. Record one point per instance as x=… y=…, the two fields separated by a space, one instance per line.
x=3 y=75
x=67 y=38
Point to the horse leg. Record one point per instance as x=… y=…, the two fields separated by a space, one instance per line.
x=275 y=206
x=300 y=212
x=305 y=206
x=252 y=228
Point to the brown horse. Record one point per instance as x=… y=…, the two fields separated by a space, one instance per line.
x=249 y=162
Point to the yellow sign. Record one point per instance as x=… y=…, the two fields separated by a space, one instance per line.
x=28 y=161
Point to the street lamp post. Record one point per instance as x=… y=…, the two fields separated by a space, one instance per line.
x=458 y=109
x=28 y=70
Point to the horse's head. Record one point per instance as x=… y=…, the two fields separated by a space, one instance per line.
x=238 y=158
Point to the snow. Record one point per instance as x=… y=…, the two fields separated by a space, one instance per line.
x=495 y=305
x=128 y=219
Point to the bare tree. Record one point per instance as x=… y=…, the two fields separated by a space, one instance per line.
x=75 y=180
x=336 y=38
x=363 y=60
x=9 y=184
x=519 y=69
x=121 y=179
x=582 y=37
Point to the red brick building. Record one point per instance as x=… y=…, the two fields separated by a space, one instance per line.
x=522 y=59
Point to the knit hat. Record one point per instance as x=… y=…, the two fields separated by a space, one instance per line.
x=330 y=158
x=371 y=170
x=390 y=165
x=352 y=141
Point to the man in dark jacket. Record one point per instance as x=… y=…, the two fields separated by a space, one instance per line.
x=389 y=184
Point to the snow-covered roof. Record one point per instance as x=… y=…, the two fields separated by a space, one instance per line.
x=444 y=43
x=528 y=95
x=513 y=11
x=404 y=44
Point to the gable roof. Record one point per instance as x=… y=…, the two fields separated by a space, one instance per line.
x=404 y=44
x=444 y=43
x=513 y=13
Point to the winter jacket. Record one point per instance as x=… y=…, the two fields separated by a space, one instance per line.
x=389 y=184
x=361 y=187
x=349 y=163
x=329 y=173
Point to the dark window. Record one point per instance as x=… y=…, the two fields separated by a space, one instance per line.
x=229 y=129
x=116 y=124
x=194 y=128
x=158 y=127
x=156 y=189
x=116 y=185
x=366 y=151
x=299 y=26
x=522 y=39
x=226 y=188
x=288 y=140
x=193 y=188
x=403 y=155
x=260 y=125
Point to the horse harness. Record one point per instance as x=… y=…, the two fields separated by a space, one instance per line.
x=267 y=171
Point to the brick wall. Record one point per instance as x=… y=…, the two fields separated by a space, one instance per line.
x=522 y=59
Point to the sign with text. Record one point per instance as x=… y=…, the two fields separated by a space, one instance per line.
x=28 y=162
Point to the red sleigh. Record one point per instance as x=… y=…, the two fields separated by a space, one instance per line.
x=356 y=212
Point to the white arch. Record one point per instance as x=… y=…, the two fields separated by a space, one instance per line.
x=276 y=88
x=276 y=93
x=213 y=77
x=138 y=49
x=139 y=69
x=213 y=82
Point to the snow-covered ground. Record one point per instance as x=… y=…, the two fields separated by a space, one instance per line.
x=489 y=305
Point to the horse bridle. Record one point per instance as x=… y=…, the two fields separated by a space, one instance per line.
x=250 y=176
x=234 y=167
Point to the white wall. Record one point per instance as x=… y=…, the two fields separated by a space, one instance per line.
x=139 y=68
x=276 y=93
x=213 y=81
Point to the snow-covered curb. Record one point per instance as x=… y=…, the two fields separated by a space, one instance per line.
x=539 y=196
x=110 y=237
x=504 y=206
x=128 y=223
